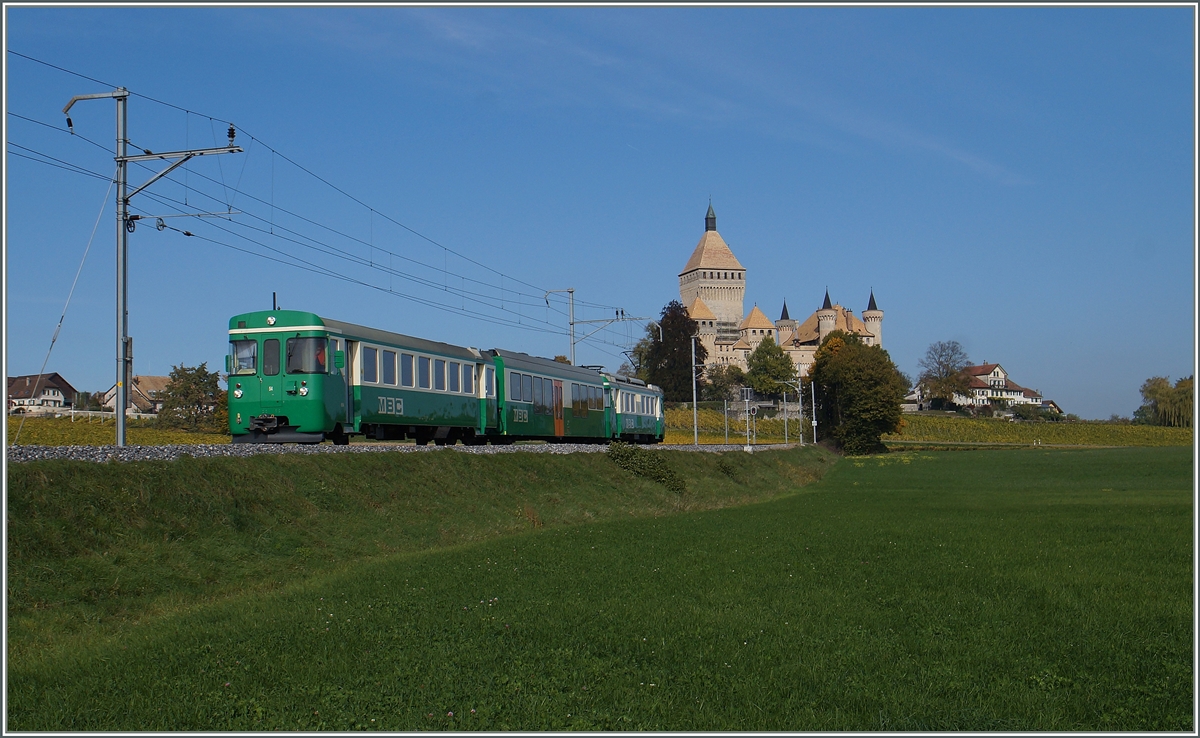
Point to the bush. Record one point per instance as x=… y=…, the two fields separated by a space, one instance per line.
x=648 y=464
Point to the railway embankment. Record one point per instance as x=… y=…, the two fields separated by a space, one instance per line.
x=95 y=548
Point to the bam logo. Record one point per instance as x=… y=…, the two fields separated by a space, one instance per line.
x=391 y=405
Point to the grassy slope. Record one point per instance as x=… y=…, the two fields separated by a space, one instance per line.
x=92 y=548
x=1045 y=590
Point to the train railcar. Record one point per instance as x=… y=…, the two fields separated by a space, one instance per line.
x=638 y=410
x=295 y=377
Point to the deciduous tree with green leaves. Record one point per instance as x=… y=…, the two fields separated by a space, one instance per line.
x=769 y=370
x=1165 y=405
x=668 y=359
x=193 y=400
x=724 y=380
x=859 y=391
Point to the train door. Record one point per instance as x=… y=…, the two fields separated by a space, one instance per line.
x=270 y=384
x=559 y=430
x=337 y=402
x=352 y=418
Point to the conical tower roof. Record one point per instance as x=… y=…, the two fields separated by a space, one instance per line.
x=710 y=219
x=871 y=304
x=827 y=304
x=784 y=315
x=756 y=319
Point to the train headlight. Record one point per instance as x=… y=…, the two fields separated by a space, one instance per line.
x=237 y=393
x=304 y=390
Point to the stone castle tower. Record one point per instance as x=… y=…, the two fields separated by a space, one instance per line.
x=715 y=277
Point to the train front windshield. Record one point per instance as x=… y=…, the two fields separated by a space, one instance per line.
x=245 y=356
x=306 y=356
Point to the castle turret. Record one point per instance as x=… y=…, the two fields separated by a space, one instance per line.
x=873 y=318
x=826 y=318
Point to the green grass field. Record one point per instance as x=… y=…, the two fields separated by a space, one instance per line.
x=1024 y=590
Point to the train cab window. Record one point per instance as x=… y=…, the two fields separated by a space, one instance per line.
x=468 y=384
x=423 y=370
x=245 y=356
x=439 y=374
x=271 y=357
x=489 y=381
x=370 y=364
x=389 y=367
x=307 y=356
x=526 y=388
x=453 y=374
x=406 y=370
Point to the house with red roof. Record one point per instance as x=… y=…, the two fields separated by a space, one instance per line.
x=989 y=385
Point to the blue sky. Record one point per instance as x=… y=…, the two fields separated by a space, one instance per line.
x=1020 y=180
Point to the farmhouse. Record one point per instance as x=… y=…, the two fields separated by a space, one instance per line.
x=38 y=393
x=990 y=385
x=145 y=394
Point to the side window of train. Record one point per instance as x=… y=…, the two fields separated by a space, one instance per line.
x=526 y=388
x=453 y=374
x=468 y=376
x=489 y=381
x=548 y=396
x=406 y=370
x=370 y=364
x=389 y=367
x=423 y=370
x=271 y=357
x=439 y=374
x=514 y=386
x=537 y=395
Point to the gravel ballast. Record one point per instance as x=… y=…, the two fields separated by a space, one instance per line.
x=20 y=454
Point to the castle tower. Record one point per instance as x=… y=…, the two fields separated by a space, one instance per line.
x=873 y=317
x=714 y=276
x=826 y=318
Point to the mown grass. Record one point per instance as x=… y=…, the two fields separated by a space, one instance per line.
x=93 y=432
x=1026 y=590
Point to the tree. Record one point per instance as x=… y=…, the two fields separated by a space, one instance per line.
x=770 y=371
x=562 y=359
x=625 y=371
x=668 y=362
x=859 y=391
x=942 y=371
x=723 y=382
x=1163 y=404
x=194 y=400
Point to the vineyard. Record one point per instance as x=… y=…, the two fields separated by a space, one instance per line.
x=85 y=432
x=933 y=429
x=988 y=430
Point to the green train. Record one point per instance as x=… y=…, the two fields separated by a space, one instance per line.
x=295 y=377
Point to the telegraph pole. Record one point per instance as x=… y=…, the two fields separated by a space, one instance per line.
x=695 y=416
x=125 y=226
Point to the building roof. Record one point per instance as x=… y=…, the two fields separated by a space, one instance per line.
x=741 y=344
x=844 y=320
x=28 y=386
x=784 y=314
x=981 y=370
x=712 y=253
x=756 y=319
x=699 y=311
x=826 y=305
x=871 y=304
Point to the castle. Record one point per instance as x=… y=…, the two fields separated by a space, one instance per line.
x=712 y=286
